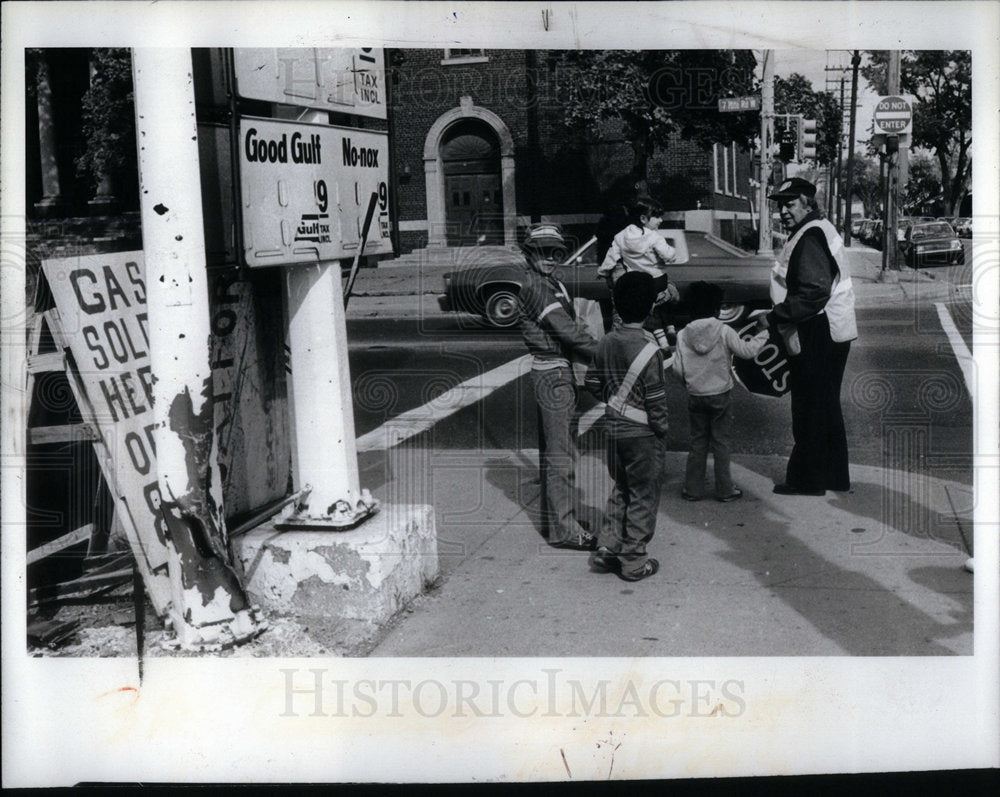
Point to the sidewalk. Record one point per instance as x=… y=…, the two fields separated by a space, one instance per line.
x=876 y=571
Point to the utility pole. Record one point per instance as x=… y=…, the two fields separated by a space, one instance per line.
x=855 y=63
x=764 y=243
x=840 y=153
x=892 y=198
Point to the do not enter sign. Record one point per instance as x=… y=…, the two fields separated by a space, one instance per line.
x=893 y=116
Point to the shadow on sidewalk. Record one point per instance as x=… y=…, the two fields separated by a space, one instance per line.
x=903 y=512
x=857 y=612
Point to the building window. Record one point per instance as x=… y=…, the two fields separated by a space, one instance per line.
x=726 y=172
x=739 y=175
x=716 y=168
x=731 y=170
x=720 y=158
x=464 y=57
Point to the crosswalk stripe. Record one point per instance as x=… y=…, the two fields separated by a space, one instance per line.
x=418 y=420
x=962 y=353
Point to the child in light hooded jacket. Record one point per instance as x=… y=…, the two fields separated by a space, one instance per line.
x=639 y=247
x=703 y=360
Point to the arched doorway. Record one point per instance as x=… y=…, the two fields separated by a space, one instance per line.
x=473 y=195
x=467 y=119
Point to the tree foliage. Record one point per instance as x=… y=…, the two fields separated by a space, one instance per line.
x=866 y=184
x=941 y=83
x=795 y=95
x=653 y=94
x=923 y=186
x=109 y=121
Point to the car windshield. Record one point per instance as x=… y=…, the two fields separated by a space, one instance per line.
x=932 y=230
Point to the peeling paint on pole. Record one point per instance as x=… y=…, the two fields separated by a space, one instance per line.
x=209 y=604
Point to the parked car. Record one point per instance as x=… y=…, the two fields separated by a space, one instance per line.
x=865 y=229
x=963 y=227
x=856 y=226
x=491 y=290
x=874 y=237
x=902 y=225
x=932 y=243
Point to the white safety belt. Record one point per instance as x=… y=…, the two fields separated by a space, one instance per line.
x=617 y=401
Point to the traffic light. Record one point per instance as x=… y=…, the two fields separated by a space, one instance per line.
x=786 y=146
x=777 y=176
x=807 y=139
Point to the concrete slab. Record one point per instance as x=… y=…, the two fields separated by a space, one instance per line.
x=367 y=573
x=846 y=574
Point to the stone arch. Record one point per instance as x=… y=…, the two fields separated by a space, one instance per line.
x=434 y=172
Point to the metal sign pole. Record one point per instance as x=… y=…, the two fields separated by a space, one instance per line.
x=209 y=605
x=361 y=248
x=764 y=243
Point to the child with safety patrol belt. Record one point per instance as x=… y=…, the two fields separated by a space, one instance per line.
x=627 y=375
x=640 y=247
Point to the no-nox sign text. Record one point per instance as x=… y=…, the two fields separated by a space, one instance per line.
x=260 y=149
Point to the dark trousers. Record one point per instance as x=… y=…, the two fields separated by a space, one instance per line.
x=819 y=456
x=555 y=397
x=636 y=465
x=711 y=427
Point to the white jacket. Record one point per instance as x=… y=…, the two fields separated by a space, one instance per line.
x=638 y=249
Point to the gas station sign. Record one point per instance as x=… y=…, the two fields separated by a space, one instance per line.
x=330 y=79
x=305 y=189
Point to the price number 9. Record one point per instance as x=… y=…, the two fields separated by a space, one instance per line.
x=322 y=198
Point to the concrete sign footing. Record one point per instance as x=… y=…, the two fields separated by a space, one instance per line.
x=339 y=516
x=368 y=573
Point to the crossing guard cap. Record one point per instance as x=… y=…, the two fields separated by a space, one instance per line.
x=792 y=188
x=544 y=236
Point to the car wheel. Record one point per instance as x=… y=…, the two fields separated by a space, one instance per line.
x=501 y=308
x=730 y=313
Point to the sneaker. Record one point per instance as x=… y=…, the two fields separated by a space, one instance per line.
x=604 y=560
x=647 y=570
x=735 y=495
x=581 y=542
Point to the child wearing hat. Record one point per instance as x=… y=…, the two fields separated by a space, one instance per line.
x=555 y=338
x=703 y=360
x=628 y=376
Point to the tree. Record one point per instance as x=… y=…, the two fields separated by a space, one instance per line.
x=652 y=94
x=109 y=122
x=867 y=184
x=923 y=186
x=795 y=95
x=941 y=83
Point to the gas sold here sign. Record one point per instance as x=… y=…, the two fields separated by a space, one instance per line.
x=305 y=189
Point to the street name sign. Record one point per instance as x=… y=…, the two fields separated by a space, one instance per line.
x=728 y=104
x=893 y=116
x=330 y=79
x=305 y=188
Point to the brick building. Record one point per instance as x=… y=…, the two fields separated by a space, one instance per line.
x=480 y=150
